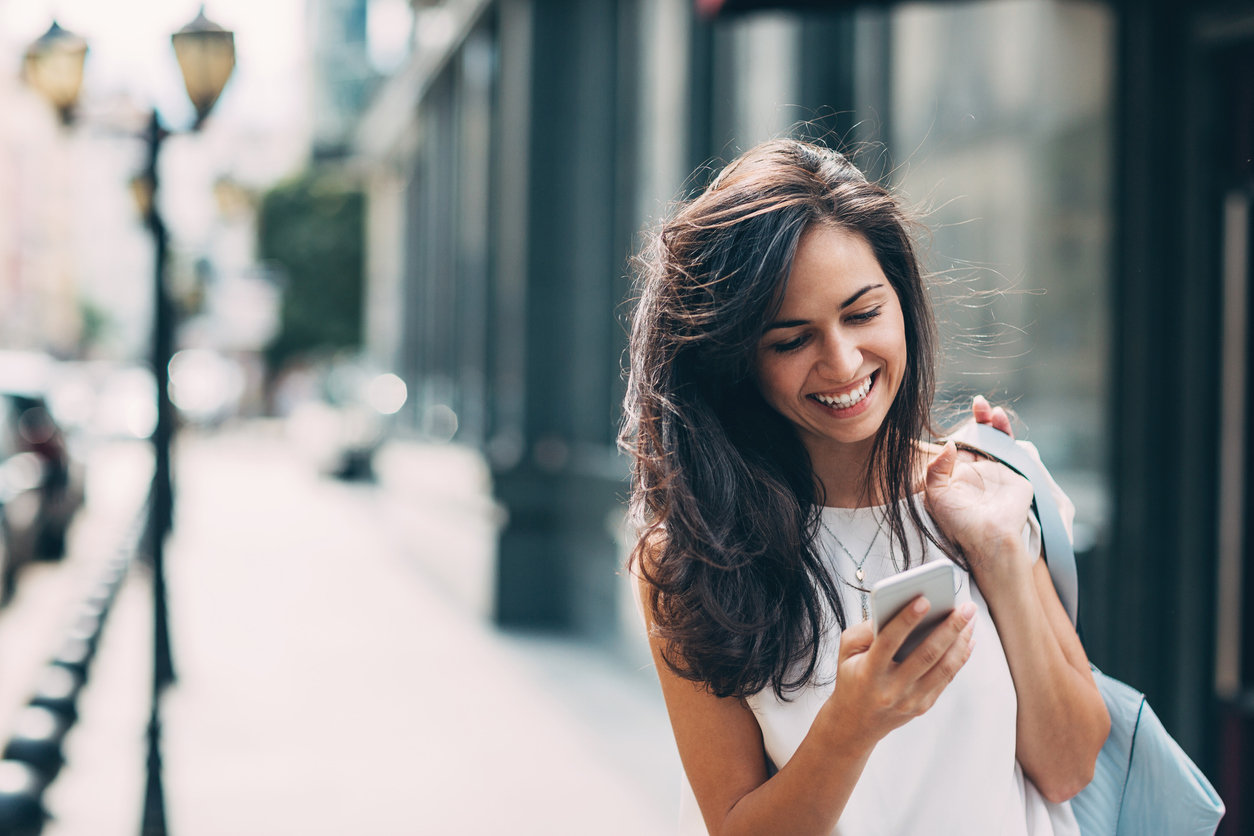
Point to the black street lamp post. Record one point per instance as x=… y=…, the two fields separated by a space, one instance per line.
x=53 y=65
x=161 y=499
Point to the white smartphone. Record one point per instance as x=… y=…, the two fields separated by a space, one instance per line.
x=933 y=580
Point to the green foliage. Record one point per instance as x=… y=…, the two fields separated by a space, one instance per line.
x=97 y=326
x=314 y=228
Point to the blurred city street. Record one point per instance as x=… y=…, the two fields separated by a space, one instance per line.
x=329 y=681
x=377 y=261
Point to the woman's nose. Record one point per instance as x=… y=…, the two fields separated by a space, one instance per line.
x=841 y=360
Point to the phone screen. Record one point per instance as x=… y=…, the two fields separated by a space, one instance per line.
x=933 y=580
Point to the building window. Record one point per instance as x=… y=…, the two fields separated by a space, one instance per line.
x=1000 y=130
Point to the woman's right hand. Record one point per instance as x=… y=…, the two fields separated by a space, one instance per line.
x=883 y=694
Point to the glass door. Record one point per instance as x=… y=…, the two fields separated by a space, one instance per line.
x=1234 y=622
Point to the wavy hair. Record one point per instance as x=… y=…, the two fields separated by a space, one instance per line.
x=722 y=487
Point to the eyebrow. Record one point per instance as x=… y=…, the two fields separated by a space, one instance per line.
x=793 y=323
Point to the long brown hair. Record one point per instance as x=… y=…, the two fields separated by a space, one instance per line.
x=721 y=484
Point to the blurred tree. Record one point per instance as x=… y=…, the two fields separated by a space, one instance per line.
x=313 y=227
x=97 y=326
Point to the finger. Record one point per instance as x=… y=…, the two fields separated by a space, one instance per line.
x=934 y=649
x=856 y=639
x=1000 y=420
x=941 y=470
x=947 y=667
x=981 y=410
x=893 y=634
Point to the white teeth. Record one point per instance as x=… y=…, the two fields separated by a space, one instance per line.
x=848 y=399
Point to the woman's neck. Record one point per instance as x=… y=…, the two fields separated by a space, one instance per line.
x=844 y=475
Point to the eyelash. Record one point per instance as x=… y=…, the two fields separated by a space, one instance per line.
x=789 y=346
x=866 y=316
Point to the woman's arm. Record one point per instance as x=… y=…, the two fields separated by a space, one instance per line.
x=1062 y=720
x=721 y=748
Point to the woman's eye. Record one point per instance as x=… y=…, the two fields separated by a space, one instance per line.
x=790 y=345
x=865 y=316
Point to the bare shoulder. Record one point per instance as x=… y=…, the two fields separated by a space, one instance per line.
x=644 y=567
x=718 y=738
x=648 y=550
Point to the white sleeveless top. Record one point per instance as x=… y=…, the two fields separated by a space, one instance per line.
x=951 y=770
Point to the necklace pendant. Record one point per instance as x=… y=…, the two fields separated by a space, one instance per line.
x=860 y=575
x=865 y=613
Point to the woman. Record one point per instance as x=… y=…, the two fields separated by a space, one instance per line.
x=778 y=406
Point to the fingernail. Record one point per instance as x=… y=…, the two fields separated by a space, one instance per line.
x=921 y=605
x=967 y=611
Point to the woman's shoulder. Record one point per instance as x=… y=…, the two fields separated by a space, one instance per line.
x=649 y=548
x=644 y=565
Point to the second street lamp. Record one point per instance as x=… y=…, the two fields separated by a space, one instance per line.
x=53 y=65
x=206 y=56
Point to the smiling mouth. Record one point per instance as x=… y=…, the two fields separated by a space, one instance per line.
x=848 y=399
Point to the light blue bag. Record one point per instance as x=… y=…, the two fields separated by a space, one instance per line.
x=1144 y=784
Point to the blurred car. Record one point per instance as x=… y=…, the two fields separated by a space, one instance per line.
x=41 y=483
x=341 y=412
x=8 y=570
x=31 y=430
x=20 y=507
x=96 y=401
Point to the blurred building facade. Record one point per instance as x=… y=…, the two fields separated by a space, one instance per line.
x=40 y=217
x=1085 y=172
x=75 y=257
x=342 y=76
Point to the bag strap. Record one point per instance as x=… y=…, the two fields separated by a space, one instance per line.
x=1058 y=551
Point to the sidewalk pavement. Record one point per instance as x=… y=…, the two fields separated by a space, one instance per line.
x=333 y=679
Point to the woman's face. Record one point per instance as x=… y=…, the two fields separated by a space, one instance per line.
x=833 y=358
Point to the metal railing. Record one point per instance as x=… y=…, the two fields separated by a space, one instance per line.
x=34 y=753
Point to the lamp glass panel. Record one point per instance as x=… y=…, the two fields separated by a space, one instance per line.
x=56 y=73
x=206 y=60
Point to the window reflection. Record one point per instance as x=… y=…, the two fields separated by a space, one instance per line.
x=1000 y=130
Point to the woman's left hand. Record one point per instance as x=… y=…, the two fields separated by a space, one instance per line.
x=980 y=505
